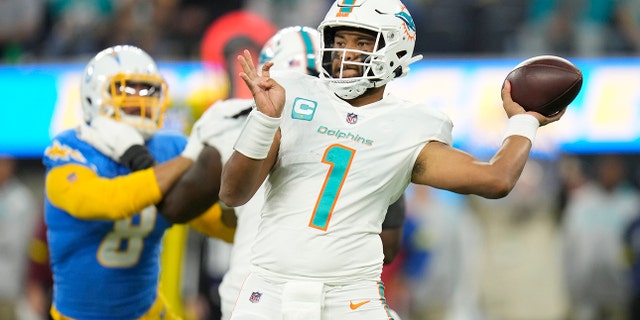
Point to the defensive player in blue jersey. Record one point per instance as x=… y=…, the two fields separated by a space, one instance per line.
x=114 y=185
x=335 y=152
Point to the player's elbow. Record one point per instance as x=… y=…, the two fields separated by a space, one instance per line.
x=231 y=197
x=231 y=200
x=184 y=205
x=497 y=188
x=235 y=191
x=184 y=212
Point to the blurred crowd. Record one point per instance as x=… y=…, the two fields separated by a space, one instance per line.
x=563 y=246
x=60 y=30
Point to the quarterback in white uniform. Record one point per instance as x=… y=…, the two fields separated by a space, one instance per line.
x=337 y=151
x=293 y=49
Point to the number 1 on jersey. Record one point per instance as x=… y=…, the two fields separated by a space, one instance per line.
x=338 y=157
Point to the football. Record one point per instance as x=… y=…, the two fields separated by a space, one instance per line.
x=545 y=84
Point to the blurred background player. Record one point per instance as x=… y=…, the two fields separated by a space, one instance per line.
x=293 y=48
x=594 y=224
x=18 y=217
x=107 y=199
x=39 y=282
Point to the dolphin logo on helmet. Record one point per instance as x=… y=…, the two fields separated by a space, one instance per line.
x=409 y=24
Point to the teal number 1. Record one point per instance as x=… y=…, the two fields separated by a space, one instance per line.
x=338 y=157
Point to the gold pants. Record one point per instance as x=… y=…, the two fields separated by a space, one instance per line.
x=158 y=311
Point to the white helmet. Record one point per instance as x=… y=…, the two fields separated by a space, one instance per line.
x=395 y=40
x=292 y=48
x=123 y=83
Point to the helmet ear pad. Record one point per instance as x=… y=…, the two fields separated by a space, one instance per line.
x=399 y=71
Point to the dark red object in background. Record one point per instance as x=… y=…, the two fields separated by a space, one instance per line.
x=228 y=36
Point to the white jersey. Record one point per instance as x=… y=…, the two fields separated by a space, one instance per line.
x=339 y=168
x=228 y=114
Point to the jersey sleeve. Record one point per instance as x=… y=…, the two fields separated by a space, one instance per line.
x=83 y=194
x=438 y=126
x=228 y=117
x=210 y=223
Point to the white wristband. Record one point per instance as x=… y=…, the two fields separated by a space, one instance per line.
x=257 y=134
x=524 y=125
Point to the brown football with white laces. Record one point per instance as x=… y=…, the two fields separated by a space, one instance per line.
x=545 y=84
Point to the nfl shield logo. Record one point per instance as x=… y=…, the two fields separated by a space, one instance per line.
x=255 y=297
x=72 y=177
x=352 y=118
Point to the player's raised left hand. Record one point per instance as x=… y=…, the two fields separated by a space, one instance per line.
x=268 y=94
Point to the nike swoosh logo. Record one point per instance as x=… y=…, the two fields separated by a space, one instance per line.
x=354 y=306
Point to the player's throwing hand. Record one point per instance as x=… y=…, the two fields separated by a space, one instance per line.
x=512 y=108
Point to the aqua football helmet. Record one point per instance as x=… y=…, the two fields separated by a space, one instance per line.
x=123 y=83
x=292 y=48
x=395 y=33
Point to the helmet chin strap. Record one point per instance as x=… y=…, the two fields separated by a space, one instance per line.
x=348 y=90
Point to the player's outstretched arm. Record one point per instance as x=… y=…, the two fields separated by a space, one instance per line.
x=196 y=190
x=444 y=167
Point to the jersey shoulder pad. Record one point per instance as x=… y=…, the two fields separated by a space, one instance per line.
x=66 y=148
x=228 y=109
